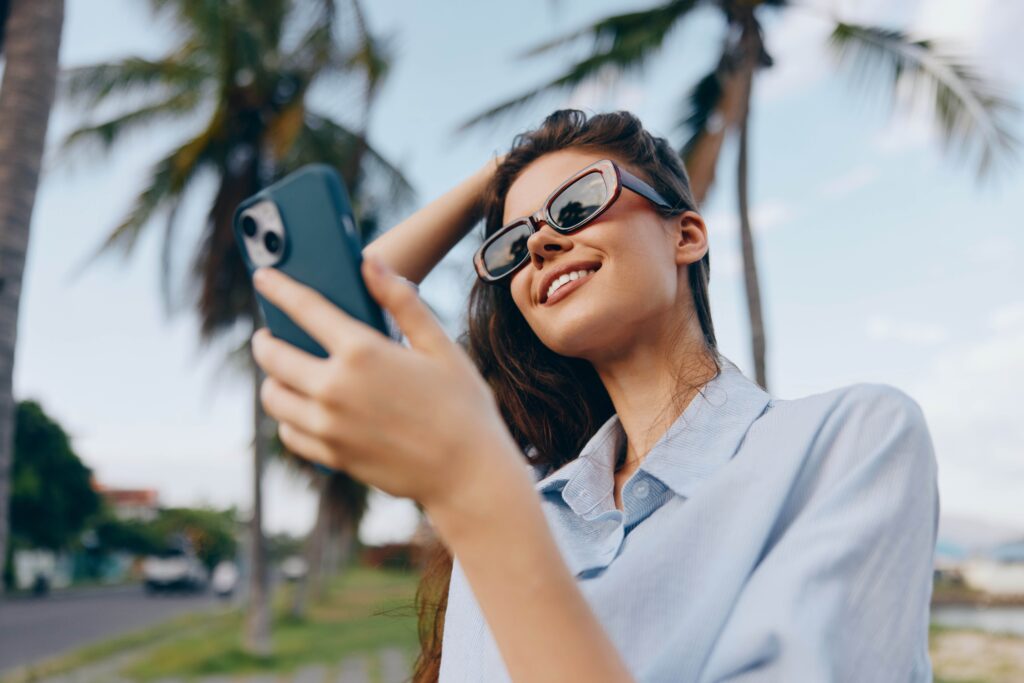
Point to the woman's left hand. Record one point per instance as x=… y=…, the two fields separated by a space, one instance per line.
x=415 y=422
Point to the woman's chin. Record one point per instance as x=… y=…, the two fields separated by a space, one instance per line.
x=580 y=338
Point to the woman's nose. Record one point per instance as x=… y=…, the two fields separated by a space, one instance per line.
x=545 y=241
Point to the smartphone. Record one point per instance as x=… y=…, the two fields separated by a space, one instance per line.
x=303 y=226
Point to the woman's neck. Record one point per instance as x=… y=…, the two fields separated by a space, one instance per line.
x=651 y=386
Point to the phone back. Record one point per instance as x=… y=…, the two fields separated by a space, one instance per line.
x=320 y=249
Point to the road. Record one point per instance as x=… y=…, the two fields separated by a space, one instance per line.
x=32 y=629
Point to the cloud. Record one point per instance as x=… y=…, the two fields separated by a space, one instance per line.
x=764 y=217
x=851 y=181
x=971 y=397
x=993 y=251
x=905 y=331
x=910 y=127
x=607 y=91
x=986 y=31
x=796 y=42
x=388 y=519
x=1007 y=318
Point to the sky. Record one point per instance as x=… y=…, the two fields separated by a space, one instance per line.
x=881 y=258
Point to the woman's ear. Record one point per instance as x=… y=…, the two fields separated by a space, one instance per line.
x=691 y=237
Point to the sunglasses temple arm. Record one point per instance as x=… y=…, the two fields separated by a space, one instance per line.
x=643 y=189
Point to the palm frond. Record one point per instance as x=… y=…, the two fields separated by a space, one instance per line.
x=323 y=139
x=372 y=55
x=700 y=104
x=92 y=84
x=970 y=111
x=203 y=21
x=109 y=132
x=630 y=32
x=222 y=289
x=316 y=47
x=168 y=181
x=622 y=43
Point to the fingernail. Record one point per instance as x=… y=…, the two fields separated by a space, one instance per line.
x=260 y=277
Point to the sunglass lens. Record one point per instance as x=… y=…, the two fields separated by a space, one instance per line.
x=578 y=202
x=505 y=253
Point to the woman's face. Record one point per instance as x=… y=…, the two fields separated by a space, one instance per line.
x=639 y=290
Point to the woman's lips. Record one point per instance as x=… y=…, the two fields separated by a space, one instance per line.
x=567 y=288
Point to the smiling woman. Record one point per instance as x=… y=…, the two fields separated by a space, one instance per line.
x=614 y=500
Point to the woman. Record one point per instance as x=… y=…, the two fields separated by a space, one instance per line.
x=621 y=502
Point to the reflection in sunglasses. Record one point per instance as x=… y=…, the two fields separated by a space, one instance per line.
x=573 y=212
x=507 y=252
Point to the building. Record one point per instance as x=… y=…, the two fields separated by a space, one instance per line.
x=130 y=504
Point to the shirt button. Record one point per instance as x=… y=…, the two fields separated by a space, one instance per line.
x=641 y=490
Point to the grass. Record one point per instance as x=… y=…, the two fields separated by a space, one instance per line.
x=367 y=609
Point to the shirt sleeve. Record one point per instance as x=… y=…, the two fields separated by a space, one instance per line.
x=842 y=591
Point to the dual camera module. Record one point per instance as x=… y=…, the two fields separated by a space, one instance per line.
x=263 y=232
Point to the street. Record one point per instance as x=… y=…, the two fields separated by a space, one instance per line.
x=33 y=629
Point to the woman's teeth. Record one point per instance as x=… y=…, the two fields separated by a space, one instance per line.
x=568 y=277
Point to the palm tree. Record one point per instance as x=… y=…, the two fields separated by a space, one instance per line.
x=342 y=505
x=970 y=112
x=243 y=69
x=30 y=32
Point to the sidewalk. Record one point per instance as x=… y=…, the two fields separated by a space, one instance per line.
x=387 y=665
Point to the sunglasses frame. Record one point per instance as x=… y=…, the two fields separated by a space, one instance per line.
x=609 y=170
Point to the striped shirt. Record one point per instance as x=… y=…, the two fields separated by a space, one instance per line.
x=761 y=539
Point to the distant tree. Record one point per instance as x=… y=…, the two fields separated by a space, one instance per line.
x=52 y=499
x=134 y=536
x=30 y=32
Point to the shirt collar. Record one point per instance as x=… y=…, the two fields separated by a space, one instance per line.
x=703 y=438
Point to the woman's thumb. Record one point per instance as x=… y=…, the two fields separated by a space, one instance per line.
x=401 y=299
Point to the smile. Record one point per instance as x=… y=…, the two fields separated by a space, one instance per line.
x=567 y=286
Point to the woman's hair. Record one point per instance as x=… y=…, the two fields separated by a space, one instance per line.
x=552 y=404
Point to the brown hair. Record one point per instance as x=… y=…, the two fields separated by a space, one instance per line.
x=552 y=404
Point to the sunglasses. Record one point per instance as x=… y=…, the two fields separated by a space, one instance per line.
x=574 y=204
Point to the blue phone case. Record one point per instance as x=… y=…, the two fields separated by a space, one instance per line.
x=321 y=249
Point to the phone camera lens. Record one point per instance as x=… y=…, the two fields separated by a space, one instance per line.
x=272 y=242
x=248 y=226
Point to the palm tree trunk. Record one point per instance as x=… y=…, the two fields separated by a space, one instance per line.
x=257 y=619
x=341 y=535
x=315 y=545
x=750 y=281
x=703 y=159
x=31 y=45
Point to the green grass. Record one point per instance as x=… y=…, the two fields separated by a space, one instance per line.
x=368 y=609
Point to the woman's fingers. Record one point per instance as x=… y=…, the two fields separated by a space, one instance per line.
x=288 y=363
x=400 y=298
x=308 y=446
x=288 y=406
x=309 y=309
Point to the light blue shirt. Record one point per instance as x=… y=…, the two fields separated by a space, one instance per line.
x=762 y=540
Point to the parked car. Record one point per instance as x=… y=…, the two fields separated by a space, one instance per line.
x=294 y=567
x=225 y=578
x=176 y=568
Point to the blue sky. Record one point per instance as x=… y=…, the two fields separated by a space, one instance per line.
x=881 y=259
